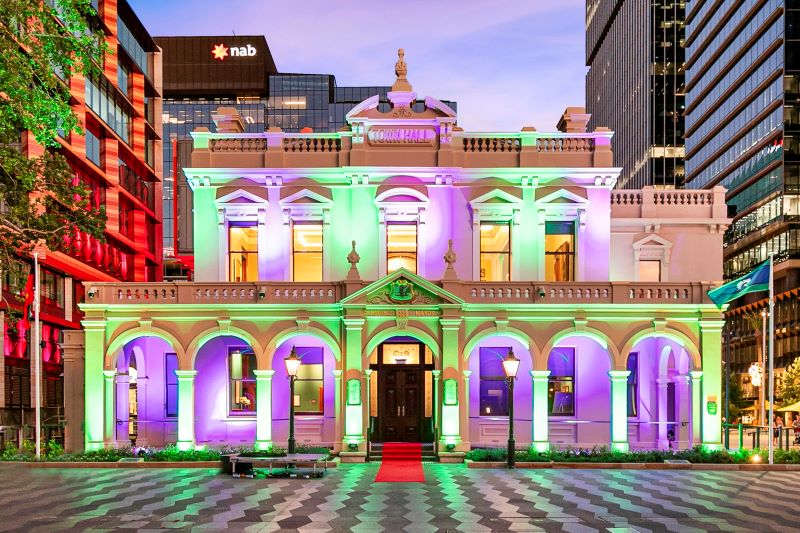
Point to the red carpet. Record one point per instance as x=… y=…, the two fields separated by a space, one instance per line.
x=402 y=462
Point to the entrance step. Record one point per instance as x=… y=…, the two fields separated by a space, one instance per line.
x=376 y=452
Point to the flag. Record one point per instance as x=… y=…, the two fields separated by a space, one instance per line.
x=26 y=304
x=756 y=280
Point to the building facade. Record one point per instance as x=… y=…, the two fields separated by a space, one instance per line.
x=202 y=74
x=635 y=86
x=742 y=132
x=118 y=158
x=402 y=259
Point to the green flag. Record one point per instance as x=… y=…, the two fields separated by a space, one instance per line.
x=756 y=280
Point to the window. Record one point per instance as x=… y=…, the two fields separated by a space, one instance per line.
x=122 y=78
x=52 y=288
x=559 y=249
x=308 y=387
x=18 y=382
x=53 y=388
x=493 y=387
x=496 y=252
x=15 y=277
x=242 y=252
x=650 y=270
x=561 y=389
x=307 y=252
x=401 y=246
x=93 y=148
x=171 y=384
x=241 y=363
x=633 y=384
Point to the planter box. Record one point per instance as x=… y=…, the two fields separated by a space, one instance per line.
x=353 y=457
x=451 y=457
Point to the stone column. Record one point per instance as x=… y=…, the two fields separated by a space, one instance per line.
x=711 y=351
x=619 y=409
x=263 y=409
x=465 y=411
x=684 y=395
x=186 y=408
x=122 y=409
x=73 y=347
x=109 y=412
x=437 y=407
x=366 y=400
x=663 y=410
x=697 y=407
x=540 y=421
x=337 y=410
x=354 y=428
x=94 y=383
x=142 y=430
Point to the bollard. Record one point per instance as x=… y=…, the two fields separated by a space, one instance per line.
x=787 y=439
x=757 y=438
x=741 y=436
x=727 y=436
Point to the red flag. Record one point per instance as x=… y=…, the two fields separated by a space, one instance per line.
x=29 y=295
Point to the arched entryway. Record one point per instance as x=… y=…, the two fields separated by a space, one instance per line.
x=402 y=381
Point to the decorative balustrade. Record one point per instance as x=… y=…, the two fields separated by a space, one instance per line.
x=564 y=144
x=239 y=144
x=289 y=293
x=312 y=144
x=492 y=144
x=623 y=197
x=683 y=197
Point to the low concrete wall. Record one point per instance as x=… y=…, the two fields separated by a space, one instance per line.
x=639 y=466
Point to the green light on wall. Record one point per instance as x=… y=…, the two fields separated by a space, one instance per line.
x=353 y=392
x=619 y=409
x=353 y=413
x=450 y=392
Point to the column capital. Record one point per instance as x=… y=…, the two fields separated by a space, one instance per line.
x=663 y=382
x=540 y=374
x=263 y=374
x=436 y=373
x=467 y=373
x=711 y=326
x=109 y=374
x=354 y=323
x=619 y=375
x=696 y=375
x=94 y=325
x=368 y=372
x=682 y=379
x=123 y=378
x=450 y=323
x=337 y=374
x=185 y=374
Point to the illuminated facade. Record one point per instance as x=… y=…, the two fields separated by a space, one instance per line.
x=403 y=259
x=116 y=157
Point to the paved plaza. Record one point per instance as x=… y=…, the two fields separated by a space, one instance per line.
x=453 y=498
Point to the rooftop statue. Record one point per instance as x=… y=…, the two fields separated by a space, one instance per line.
x=400 y=70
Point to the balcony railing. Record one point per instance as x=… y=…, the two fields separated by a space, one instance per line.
x=651 y=203
x=332 y=292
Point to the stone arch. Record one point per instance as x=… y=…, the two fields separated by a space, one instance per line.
x=409 y=331
x=287 y=334
x=592 y=333
x=513 y=333
x=116 y=345
x=187 y=363
x=674 y=335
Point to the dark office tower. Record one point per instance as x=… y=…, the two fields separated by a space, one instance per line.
x=202 y=74
x=635 y=55
x=743 y=132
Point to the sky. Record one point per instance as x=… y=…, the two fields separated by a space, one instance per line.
x=508 y=64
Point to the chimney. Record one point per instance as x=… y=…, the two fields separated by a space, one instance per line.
x=574 y=120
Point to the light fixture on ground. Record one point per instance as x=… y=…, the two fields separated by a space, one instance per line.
x=292 y=366
x=511 y=366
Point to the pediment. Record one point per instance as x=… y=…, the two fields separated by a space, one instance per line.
x=401 y=288
x=560 y=195
x=496 y=196
x=305 y=196
x=651 y=241
x=368 y=110
x=238 y=196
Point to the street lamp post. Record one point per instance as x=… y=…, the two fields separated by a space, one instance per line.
x=511 y=366
x=292 y=366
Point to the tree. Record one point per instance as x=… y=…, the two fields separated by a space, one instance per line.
x=790 y=388
x=42 y=44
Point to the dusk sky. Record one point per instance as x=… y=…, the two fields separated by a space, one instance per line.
x=507 y=64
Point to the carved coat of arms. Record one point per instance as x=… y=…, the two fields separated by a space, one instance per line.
x=401 y=291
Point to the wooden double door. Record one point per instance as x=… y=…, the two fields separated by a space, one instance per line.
x=401 y=408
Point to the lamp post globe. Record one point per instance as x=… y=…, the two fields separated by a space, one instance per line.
x=292 y=366
x=511 y=367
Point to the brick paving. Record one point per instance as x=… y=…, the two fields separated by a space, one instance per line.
x=453 y=498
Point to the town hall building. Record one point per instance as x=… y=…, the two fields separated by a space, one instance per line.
x=402 y=259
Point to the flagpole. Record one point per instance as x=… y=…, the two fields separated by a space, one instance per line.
x=771 y=356
x=36 y=347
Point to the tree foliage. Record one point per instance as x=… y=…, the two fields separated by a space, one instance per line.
x=42 y=44
x=790 y=388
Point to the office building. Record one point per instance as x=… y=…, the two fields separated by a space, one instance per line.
x=743 y=132
x=118 y=157
x=204 y=73
x=635 y=55
x=401 y=260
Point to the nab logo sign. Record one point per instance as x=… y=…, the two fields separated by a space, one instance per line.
x=220 y=51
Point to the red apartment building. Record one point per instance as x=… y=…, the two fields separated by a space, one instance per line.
x=119 y=159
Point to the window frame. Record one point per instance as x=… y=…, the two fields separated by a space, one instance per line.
x=500 y=352
x=321 y=380
x=481 y=252
x=242 y=224
x=170 y=381
x=552 y=379
x=243 y=350
x=571 y=255
x=401 y=253
x=321 y=251
x=632 y=387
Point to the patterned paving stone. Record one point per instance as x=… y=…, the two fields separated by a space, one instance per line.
x=453 y=498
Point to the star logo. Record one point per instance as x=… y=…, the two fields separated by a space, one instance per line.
x=219 y=52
